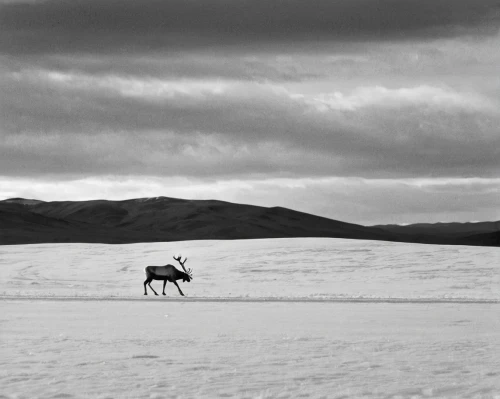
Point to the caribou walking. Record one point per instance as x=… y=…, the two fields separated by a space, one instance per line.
x=167 y=273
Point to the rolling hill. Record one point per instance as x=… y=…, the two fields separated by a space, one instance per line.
x=24 y=221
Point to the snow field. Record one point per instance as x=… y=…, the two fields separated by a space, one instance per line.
x=100 y=349
x=263 y=319
x=305 y=269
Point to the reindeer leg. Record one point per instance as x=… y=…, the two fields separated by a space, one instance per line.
x=149 y=283
x=145 y=290
x=180 y=292
x=164 y=284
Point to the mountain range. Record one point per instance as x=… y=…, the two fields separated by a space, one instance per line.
x=29 y=221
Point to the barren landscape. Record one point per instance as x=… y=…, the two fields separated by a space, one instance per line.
x=329 y=168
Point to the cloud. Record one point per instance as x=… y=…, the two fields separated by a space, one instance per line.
x=80 y=124
x=127 y=87
x=424 y=96
x=103 y=26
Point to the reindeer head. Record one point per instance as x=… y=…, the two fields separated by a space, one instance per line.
x=188 y=273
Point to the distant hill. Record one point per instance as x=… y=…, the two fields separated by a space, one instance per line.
x=479 y=233
x=25 y=221
x=452 y=229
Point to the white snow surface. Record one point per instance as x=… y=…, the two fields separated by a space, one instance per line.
x=280 y=318
x=305 y=268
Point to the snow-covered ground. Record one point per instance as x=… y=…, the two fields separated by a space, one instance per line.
x=281 y=268
x=283 y=318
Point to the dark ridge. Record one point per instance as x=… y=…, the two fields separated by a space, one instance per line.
x=159 y=219
x=22 y=201
x=453 y=229
x=484 y=239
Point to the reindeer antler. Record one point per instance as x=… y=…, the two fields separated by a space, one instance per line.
x=189 y=272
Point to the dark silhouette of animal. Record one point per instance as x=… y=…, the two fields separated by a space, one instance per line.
x=167 y=273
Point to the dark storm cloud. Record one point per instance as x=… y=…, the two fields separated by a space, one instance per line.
x=99 y=26
x=81 y=124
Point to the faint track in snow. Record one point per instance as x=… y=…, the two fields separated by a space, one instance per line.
x=253 y=300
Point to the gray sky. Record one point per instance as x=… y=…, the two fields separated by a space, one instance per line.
x=367 y=111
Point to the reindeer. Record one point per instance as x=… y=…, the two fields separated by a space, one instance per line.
x=167 y=273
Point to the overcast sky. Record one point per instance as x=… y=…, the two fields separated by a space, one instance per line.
x=366 y=111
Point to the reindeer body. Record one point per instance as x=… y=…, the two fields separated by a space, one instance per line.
x=166 y=273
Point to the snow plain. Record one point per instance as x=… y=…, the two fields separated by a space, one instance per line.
x=282 y=318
